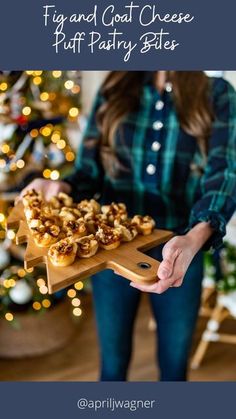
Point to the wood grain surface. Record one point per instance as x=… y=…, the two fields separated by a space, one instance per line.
x=127 y=260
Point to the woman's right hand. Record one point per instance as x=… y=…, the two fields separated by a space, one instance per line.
x=48 y=188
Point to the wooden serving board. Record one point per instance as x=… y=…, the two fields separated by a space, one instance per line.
x=127 y=260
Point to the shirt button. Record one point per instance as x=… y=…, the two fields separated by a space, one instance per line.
x=159 y=105
x=168 y=87
x=157 y=125
x=156 y=146
x=151 y=170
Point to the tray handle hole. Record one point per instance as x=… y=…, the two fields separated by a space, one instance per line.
x=144 y=265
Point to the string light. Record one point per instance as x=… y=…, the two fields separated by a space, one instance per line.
x=21 y=273
x=3 y=86
x=61 y=144
x=38 y=73
x=44 y=96
x=13 y=167
x=6 y=283
x=77 y=311
x=41 y=282
x=43 y=289
x=9 y=317
x=36 y=305
x=46 y=303
x=2 y=217
x=70 y=156
x=75 y=302
x=29 y=270
x=37 y=80
x=26 y=110
x=29 y=73
x=74 y=112
x=75 y=89
x=79 y=285
x=46 y=131
x=12 y=283
x=47 y=173
x=71 y=293
x=34 y=133
x=69 y=84
x=56 y=74
x=56 y=136
x=54 y=175
x=11 y=235
x=20 y=164
x=5 y=148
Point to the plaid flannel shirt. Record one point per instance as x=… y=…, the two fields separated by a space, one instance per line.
x=161 y=171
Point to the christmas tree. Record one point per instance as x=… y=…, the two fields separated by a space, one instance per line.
x=38 y=112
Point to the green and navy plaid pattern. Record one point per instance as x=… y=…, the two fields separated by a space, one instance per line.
x=159 y=169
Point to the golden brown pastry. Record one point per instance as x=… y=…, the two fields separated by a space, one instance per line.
x=45 y=235
x=75 y=229
x=93 y=221
x=61 y=200
x=114 y=212
x=67 y=213
x=144 y=224
x=63 y=253
x=108 y=237
x=88 y=206
x=87 y=246
x=128 y=230
x=30 y=196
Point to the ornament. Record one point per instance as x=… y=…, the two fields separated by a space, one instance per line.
x=21 y=293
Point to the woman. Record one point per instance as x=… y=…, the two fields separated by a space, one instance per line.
x=165 y=144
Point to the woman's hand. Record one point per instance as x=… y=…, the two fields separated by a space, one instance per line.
x=178 y=253
x=49 y=188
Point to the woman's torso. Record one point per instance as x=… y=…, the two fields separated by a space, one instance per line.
x=159 y=166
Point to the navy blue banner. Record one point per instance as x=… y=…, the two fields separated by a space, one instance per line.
x=117 y=400
x=118 y=34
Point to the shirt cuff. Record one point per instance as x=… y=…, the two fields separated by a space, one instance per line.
x=217 y=223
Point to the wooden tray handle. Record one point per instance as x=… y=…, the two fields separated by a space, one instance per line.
x=136 y=267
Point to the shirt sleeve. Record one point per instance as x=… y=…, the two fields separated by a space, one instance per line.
x=87 y=178
x=218 y=184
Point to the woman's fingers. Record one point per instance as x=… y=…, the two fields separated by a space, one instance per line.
x=170 y=253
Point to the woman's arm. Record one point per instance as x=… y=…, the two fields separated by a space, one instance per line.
x=210 y=214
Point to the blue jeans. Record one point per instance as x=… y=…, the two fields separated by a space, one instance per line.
x=175 y=311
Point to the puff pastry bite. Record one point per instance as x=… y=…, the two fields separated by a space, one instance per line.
x=114 y=212
x=128 y=230
x=93 y=221
x=108 y=237
x=68 y=213
x=30 y=196
x=32 y=213
x=87 y=246
x=144 y=224
x=61 y=200
x=63 y=253
x=88 y=206
x=75 y=229
x=45 y=235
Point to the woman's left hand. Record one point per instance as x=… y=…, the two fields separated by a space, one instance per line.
x=177 y=256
